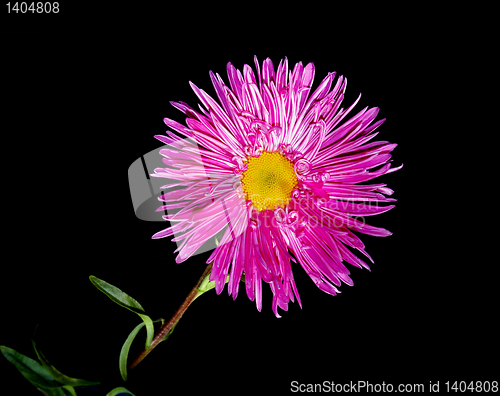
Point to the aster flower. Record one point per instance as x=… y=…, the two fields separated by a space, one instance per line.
x=276 y=172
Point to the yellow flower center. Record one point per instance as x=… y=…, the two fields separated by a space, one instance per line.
x=269 y=181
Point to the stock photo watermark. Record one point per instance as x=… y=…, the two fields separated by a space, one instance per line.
x=152 y=185
x=383 y=387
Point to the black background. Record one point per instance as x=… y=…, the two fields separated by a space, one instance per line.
x=83 y=98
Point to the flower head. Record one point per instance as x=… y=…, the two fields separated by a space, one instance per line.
x=276 y=171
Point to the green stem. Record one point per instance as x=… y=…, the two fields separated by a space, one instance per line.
x=168 y=325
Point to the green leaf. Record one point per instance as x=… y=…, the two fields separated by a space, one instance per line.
x=116 y=295
x=125 y=350
x=125 y=301
x=33 y=371
x=119 y=390
x=171 y=330
x=207 y=285
x=65 y=390
x=58 y=376
x=70 y=389
x=149 y=329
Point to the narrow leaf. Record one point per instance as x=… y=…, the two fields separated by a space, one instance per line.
x=206 y=285
x=33 y=371
x=171 y=330
x=57 y=375
x=116 y=295
x=119 y=390
x=126 y=301
x=149 y=329
x=70 y=389
x=125 y=350
x=62 y=391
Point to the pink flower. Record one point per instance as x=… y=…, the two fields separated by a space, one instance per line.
x=276 y=171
